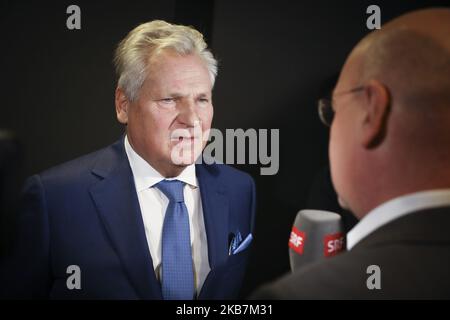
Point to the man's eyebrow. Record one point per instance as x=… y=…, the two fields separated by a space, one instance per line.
x=177 y=95
x=170 y=95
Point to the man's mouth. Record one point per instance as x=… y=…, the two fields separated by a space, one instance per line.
x=186 y=136
x=183 y=139
x=180 y=139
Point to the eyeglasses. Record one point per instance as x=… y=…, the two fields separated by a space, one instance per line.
x=325 y=106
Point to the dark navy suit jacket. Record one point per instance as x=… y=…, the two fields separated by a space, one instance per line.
x=86 y=213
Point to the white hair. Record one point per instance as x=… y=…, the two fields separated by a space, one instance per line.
x=133 y=53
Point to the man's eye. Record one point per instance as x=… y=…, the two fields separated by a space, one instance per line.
x=167 y=100
x=203 y=100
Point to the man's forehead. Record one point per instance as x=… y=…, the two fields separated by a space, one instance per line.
x=176 y=88
x=179 y=78
x=177 y=68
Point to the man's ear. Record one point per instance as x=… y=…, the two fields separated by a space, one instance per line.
x=377 y=107
x=122 y=105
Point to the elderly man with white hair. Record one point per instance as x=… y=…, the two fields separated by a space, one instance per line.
x=140 y=219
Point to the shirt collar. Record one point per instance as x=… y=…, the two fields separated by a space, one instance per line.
x=145 y=176
x=394 y=209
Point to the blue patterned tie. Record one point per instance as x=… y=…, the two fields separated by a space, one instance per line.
x=177 y=269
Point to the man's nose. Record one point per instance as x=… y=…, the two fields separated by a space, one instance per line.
x=188 y=114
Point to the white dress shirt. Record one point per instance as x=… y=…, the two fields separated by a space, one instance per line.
x=394 y=209
x=153 y=204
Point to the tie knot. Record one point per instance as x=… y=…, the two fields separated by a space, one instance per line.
x=172 y=189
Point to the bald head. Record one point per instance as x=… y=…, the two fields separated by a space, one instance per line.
x=411 y=56
x=432 y=22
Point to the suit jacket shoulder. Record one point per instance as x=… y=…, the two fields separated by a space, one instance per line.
x=99 y=161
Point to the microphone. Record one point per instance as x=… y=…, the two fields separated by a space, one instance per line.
x=315 y=235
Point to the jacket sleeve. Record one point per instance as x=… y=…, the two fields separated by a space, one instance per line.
x=25 y=273
x=253 y=205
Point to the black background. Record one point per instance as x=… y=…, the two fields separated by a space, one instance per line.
x=275 y=57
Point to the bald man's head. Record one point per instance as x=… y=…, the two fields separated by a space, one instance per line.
x=411 y=56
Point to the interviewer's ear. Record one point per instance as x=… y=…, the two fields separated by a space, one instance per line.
x=377 y=107
x=122 y=105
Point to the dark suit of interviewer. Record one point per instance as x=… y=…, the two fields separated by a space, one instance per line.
x=390 y=164
x=102 y=212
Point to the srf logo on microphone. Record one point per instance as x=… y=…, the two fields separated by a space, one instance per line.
x=297 y=240
x=333 y=244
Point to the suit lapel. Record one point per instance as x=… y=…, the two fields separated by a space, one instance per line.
x=117 y=203
x=215 y=213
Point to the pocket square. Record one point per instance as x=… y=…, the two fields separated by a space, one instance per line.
x=237 y=244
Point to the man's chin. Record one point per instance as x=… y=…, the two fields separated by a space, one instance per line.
x=184 y=160
x=183 y=163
